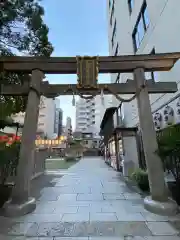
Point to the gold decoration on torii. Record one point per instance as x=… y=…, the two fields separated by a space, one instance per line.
x=87 y=72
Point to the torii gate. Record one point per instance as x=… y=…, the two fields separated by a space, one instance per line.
x=87 y=69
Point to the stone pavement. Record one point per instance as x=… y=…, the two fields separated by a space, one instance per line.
x=90 y=201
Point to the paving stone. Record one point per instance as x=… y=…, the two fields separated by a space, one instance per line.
x=127 y=217
x=69 y=203
x=71 y=238
x=99 y=229
x=99 y=217
x=69 y=197
x=38 y=218
x=115 y=190
x=150 y=217
x=90 y=197
x=84 y=190
x=78 y=217
x=65 y=189
x=66 y=209
x=132 y=196
x=112 y=209
x=46 y=209
x=53 y=229
x=21 y=229
x=135 y=209
x=162 y=238
x=106 y=238
x=41 y=238
x=161 y=228
x=89 y=200
x=89 y=209
x=48 y=197
x=3 y=237
x=132 y=229
x=113 y=196
x=113 y=185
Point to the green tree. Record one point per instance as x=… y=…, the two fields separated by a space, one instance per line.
x=22 y=31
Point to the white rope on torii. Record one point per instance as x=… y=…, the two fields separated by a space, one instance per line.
x=122 y=100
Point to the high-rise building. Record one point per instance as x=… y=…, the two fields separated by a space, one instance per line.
x=46 y=117
x=146 y=27
x=85 y=115
x=60 y=125
x=68 y=127
x=89 y=114
x=56 y=119
x=100 y=107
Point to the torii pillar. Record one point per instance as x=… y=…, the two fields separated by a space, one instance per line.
x=158 y=202
x=21 y=202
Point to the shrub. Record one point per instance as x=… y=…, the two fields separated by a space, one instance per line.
x=70 y=159
x=141 y=178
x=169 y=150
x=9 y=156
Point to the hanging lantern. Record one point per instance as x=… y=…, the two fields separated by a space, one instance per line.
x=178 y=107
x=157 y=120
x=169 y=115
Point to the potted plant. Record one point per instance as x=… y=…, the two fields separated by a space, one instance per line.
x=9 y=154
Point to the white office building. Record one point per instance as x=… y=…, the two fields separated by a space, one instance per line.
x=89 y=114
x=100 y=107
x=85 y=115
x=56 y=117
x=147 y=27
x=46 y=117
x=68 y=127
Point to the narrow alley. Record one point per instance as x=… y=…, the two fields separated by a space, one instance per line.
x=90 y=201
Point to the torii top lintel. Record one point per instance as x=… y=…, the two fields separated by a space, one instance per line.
x=107 y=64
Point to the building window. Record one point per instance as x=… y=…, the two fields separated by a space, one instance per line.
x=130 y=5
x=112 y=13
x=117 y=49
x=114 y=34
x=140 y=27
x=110 y=3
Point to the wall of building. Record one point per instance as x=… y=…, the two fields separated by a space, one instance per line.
x=100 y=107
x=46 y=117
x=60 y=125
x=85 y=115
x=162 y=34
x=68 y=127
x=89 y=114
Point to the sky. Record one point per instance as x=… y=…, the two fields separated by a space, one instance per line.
x=76 y=27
